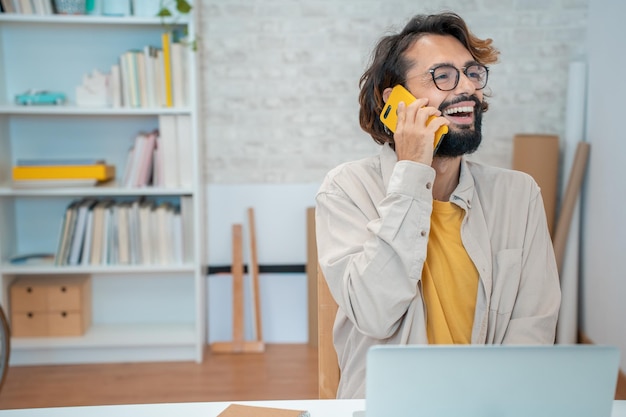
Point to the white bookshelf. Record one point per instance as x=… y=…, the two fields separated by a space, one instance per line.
x=140 y=312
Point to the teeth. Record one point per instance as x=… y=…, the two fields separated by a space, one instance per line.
x=466 y=109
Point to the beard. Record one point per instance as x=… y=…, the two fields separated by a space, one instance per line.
x=464 y=139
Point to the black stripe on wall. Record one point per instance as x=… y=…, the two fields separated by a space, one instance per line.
x=263 y=269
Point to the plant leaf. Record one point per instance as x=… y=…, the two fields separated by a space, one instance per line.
x=164 y=12
x=183 y=6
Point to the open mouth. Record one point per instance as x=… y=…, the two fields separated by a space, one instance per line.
x=460 y=115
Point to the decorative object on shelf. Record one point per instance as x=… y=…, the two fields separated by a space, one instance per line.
x=146 y=8
x=116 y=7
x=93 y=92
x=40 y=97
x=70 y=6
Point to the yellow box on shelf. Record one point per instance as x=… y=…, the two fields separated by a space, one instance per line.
x=99 y=172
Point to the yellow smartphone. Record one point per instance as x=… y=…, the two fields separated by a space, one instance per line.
x=389 y=115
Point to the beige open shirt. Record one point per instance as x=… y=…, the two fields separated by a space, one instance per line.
x=373 y=220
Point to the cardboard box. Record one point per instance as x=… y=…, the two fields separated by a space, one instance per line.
x=50 y=306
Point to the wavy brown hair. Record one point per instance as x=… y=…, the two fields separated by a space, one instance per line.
x=389 y=65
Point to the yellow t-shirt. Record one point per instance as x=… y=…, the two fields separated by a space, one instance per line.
x=449 y=279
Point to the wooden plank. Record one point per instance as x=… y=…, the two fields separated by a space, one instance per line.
x=328 y=365
x=238 y=295
x=254 y=273
x=311 y=272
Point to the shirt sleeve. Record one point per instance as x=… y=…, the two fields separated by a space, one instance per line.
x=372 y=243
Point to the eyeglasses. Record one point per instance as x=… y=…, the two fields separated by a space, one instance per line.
x=446 y=77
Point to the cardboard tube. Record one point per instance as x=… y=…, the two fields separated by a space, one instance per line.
x=574 y=183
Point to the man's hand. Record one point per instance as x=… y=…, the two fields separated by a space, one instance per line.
x=413 y=137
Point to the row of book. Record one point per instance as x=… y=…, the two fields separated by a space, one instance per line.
x=136 y=232
x=150 y=77
x=163 y=157
x=155 y=76
x=40 y=7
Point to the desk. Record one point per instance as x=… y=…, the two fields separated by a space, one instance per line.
x=317 y=408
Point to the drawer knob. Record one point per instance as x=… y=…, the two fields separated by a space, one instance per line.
x=63 y=289
x=63 y=314
x=29 y=289
x=30 y=315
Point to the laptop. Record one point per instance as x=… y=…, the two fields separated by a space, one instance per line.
x=490 y=380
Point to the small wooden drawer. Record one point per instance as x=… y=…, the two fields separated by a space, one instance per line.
x=27 y=296
x=63 y=323
x=29 y=324
x=50 y=305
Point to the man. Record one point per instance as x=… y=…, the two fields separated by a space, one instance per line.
x=420 y=248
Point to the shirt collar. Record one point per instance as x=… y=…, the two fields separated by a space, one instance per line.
x=462 y=195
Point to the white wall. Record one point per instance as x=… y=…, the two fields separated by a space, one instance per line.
x=280 y=220
x=279 y=94
x=280 y=78
x=604 y=223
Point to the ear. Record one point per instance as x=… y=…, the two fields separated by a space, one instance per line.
x=386 y=93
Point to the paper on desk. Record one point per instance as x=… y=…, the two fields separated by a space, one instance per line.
x=239 y=410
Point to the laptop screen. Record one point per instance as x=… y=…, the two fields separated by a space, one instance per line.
x=492 y=380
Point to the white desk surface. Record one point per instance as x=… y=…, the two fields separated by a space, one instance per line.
x=317 y=408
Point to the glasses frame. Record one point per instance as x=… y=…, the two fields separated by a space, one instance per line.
x=458 y=75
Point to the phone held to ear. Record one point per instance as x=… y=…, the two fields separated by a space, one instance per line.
x=389 y=115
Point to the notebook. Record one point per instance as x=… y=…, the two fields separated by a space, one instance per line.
x=502 y=381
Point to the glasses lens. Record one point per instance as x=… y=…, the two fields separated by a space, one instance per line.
x=445 y=77
x=478 y=75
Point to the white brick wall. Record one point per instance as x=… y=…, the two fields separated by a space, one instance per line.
x=279 y=78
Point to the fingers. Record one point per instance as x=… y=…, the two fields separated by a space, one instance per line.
x=416 y=129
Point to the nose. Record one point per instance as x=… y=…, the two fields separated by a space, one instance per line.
x=465 y=85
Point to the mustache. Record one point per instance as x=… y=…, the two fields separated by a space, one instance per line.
x=460 y=99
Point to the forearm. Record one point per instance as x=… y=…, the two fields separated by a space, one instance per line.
x=372 y=254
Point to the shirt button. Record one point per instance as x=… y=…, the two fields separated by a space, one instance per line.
x=429 y=185
x=423 y=233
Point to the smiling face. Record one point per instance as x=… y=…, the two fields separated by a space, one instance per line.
x=461 y=105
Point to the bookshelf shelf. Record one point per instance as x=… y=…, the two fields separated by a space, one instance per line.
x=139 y=341
x=91 y=20
x=141 y=311
x=49 y=269
x=106 y=190
x=71 y=110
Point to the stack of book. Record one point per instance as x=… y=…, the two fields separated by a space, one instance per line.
x=136 y=232
x=153 y=76
x=62 y=171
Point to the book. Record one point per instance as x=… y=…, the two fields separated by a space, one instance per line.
x=166 y=42
x=67 y=233
x=7 y=6
x=147 y=233
x=240 y=410
x=151 y=86
x=100 y=172
x=186 y=214
x=123 y=233
x=168 y=150
x=178 y=55
x=62 y=161
x=30 y=184
x=78 y=238
x=185 y=152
